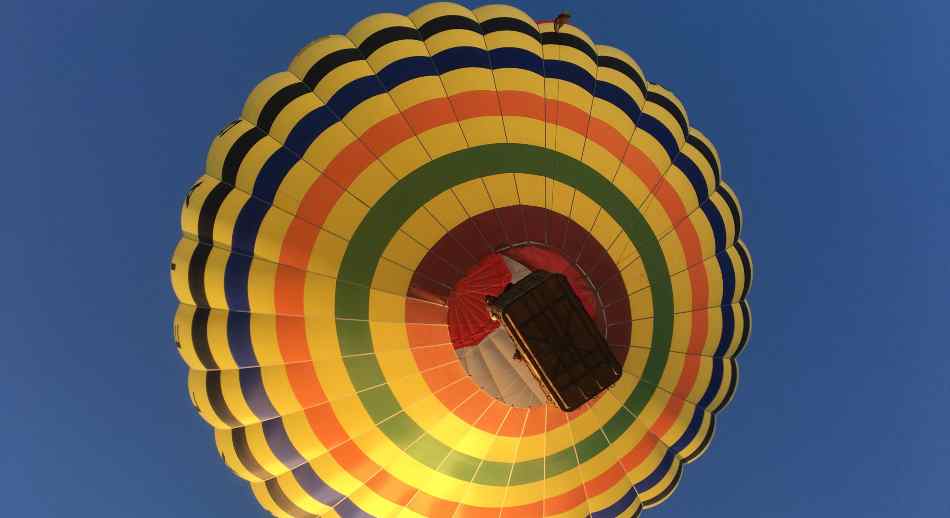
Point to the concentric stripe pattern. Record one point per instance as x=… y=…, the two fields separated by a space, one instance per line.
x=335 y=215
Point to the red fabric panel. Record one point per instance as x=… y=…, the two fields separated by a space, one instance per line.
x=469 y=321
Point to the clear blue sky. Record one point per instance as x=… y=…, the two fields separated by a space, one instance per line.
x=831 y=118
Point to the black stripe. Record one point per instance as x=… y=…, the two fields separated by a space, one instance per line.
x=278 y=102
x=328 y=63
x=569 y=40
x=199 y=337
x=746 y=326
x=447 y=23
x=733 y=209
x=733 y=382
x=243 y=451
x=228 y=126
x=209 y=211
x=190 y=192
x=746 y=268
x=280 y=498
x=199 y=258
x=386 y=36
x=707 y=153
x=238 y=151
x=216 y=397
x=624 y=68
x=668 y=104
x=196 y=273
x=511 y=24
x=672 y=485
x=705 y=442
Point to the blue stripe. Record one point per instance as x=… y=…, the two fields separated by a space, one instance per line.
x=315 y=486
x=728 y=330
x=238 y=268
x=654 y=478
x=247 y=224
x=692 y=430
x=715 y=383
x=272 y=173
x=279 y=442
x=728 y=277
x=309 y=128
x=516 y=58
x=694 y=175
x=348 y=97
x=567 y=71
x=715 y=221
x=661 y=133
x=239 y=339
x=404 y=70
x=617 y=508
x=728 y=289
x=252 y=387
x=354 y=93
x=235 y=282
x=347 y=509
x=461 y=57
x=620 y=98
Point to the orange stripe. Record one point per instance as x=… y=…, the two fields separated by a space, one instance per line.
x=493 y=418
x=347 y=165
x=471 y=511
x=296 y=255
x=422 y=335
x=390 y=488
x=565 y=502
x=289 y=290
x=514 y=423
x=606 y=480
x=306 y=388
x=428 y=357
x=556 y=417
x=515 y=103
x=387 y=134
x=472 y=409
x=319 y=200
x=428 y=505
x=326 y=426
x=430 y=114
x=569 y=116
x=475 y=103
x=293 y=347
x=607 y=137
x=667 y=417
x=639 y=453
x=535 y=421
x=445 y=375
x=641 y=165
x=357 y=463
x=422 y=312
x=523 y=511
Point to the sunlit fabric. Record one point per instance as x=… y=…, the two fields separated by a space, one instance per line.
x=322 y=247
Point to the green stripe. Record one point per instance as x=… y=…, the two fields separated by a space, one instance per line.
x=405 y=198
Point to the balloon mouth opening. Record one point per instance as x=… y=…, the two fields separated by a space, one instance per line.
x=489 y=346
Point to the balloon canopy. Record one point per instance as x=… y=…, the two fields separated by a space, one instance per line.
x=337 y=251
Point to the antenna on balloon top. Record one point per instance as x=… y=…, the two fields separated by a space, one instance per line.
x=561 y=20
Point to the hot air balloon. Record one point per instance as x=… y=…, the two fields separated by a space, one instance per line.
x=342 y=250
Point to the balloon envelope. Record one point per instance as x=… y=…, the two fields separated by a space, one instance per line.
x=334 y=251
